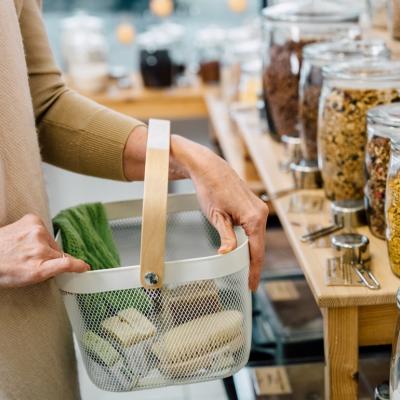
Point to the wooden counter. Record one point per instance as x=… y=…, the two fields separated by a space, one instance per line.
x=353 y=316
x=172 y=103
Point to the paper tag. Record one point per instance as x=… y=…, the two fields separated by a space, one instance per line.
x=272 y=381
x=282 y=290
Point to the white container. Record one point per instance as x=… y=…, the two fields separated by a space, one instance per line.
x=210 y=339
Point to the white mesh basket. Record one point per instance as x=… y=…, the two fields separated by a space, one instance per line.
x=177 y=313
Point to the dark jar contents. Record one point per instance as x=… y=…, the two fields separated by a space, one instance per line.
x=377 y=163
x=158 y=69
x=209 y=71
x=281 y=86
x=308 y=112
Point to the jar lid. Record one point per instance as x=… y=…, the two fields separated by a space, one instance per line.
x=307 y=166
x=350 y=241
x=364 y=70
x=311 y=12
x=347 y=206
x=346 y=49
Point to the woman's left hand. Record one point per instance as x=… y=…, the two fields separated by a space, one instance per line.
x=224 y=197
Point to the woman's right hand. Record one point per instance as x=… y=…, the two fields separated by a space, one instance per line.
x=29 y=254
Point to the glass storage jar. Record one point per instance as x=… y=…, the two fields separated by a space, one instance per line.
x=392 y=202
x=85 y=52
x=210 y=44
x=393 y=10
x=161 y=55
x=315 y=57
x=349 y=90
x=288 y=27
x=383 y=122
x=395 y=361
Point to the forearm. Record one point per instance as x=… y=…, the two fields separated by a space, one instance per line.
x=186 y=157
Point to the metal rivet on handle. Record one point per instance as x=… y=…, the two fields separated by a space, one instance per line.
x=151 y=278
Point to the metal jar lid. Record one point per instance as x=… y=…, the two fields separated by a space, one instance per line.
x=352 y=248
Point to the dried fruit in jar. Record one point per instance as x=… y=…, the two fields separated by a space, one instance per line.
x=281 y=86
x=377 y=163
x=342 y=137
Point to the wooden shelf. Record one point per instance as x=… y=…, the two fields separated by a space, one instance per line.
x=231 y=143
x=266 y=154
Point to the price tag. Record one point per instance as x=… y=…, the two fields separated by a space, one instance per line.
x=282 y=290
x=272 y=381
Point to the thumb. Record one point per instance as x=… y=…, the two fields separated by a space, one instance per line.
x=54 y=267
x=223 y=224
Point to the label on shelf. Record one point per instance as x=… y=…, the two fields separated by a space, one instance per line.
x=272 y=381
x=282 y=290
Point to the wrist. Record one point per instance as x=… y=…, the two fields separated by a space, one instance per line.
x=188 y=156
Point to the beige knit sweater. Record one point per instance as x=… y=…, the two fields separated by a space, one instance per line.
x=37 y=111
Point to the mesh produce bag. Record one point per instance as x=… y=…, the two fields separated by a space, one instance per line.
x=176 y=312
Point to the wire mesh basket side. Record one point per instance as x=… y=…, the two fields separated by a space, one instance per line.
x=135 y=339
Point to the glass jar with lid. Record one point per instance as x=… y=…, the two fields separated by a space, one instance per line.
x=85 y=52
x=161 y=55
x=383 y=122
x=288 y=27
x=392 y=201
x=349 y=90
x=315 y=57
x=210 y=45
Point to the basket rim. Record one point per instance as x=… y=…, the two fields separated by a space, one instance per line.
x=175 y=272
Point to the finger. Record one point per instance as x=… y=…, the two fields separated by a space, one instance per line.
x=257 y=255
x=54 y=267
x=223 y=224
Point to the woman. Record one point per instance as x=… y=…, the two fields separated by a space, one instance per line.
x=40 y=118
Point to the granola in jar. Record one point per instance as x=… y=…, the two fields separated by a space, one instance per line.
x=393 y=221
x=383 y=124
x=349 y=91
x=315 y=57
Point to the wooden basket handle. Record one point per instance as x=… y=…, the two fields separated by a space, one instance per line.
x=154 y=216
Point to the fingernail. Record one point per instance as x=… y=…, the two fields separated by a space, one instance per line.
x=223 y=250
x=87 y=267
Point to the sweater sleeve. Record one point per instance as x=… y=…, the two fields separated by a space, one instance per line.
x=75 y=133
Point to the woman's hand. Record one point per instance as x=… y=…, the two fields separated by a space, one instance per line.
x=225 y=200
x=29 y=255
x=224 y=197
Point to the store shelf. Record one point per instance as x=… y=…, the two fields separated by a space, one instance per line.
x=231 y=143
x=266 y=154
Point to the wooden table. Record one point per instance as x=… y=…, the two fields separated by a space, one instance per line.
x=172 y=103
x=353 y=316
